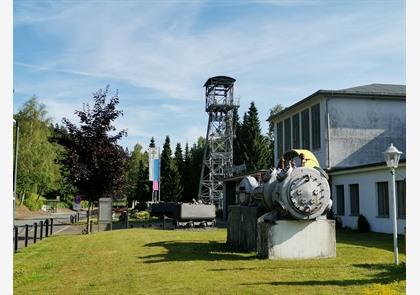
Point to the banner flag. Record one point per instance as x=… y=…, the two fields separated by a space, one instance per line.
x=154 y=164
x=155 y=185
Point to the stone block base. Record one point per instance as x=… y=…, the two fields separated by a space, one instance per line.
x=296 y=239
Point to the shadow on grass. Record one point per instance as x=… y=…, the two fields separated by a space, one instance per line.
x=187 y=251
x=387 y=273
x=376 y=240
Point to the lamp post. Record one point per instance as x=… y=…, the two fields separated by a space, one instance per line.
x=15 y=162
x=392 y=157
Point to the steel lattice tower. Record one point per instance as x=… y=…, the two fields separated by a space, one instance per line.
x=218 y=152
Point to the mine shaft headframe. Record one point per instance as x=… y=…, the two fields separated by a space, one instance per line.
x=219 y=94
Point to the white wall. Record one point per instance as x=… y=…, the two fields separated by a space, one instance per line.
x=368 y=202
x=361 y=128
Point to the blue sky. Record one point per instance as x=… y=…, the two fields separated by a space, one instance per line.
x=158 y=54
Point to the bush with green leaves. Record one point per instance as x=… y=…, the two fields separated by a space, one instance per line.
x=362 y=224
x=142 y=215
x=84 y=204
x=34 y=202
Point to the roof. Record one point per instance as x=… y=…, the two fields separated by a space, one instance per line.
x=375 y=90
x=222 y=80
x=370 y=165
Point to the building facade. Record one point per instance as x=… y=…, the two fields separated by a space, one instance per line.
x=347 y=130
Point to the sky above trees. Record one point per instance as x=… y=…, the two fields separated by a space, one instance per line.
x=158 y=54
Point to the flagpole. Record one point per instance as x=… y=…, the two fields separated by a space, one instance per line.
x=159 y=176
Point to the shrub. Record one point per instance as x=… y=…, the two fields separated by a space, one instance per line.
x=34 y=202
x=142 y=215
x=141 y=206
x=338 y=222
x=84 y=204
x=362 y=224
x=62 y=205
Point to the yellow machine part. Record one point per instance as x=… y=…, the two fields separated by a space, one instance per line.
x=311 y=160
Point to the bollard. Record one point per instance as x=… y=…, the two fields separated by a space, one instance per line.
x=46 y=228
x=91 y=224
x=51 y=226
x=71 y=219
x=164 y=217
x=26 y=234
x=78 y=217
x=41 y=224
x=126 y=220
x=35 y=230
x=16 y=238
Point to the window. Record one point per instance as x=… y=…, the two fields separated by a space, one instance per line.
x=354 y=199
x=401 y=198
x=296 y=131
x=279 y=139
x=287 y=135
x=340 y=199
x=383 y=201
x=305 y=129
x=316 y=127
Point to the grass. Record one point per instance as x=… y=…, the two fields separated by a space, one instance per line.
x=152 y=261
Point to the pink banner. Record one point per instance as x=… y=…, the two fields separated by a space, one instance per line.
x=155 y=185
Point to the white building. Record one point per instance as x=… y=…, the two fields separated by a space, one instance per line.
x=347 y=130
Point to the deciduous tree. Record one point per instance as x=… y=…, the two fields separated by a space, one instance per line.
x=96 y=162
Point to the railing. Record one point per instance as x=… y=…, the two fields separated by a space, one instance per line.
x=48 y=224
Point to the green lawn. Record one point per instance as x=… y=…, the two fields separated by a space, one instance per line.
x=152 y=261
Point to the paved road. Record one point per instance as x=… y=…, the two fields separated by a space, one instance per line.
x=61 y=225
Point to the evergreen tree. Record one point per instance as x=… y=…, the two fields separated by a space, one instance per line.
x=179 y=161
x=197 y=154
x=186 y=177
x=171 y=189
x=270 y=136
x=152 y=143
x=143 y=185
x=237 y=143
x=255 y=147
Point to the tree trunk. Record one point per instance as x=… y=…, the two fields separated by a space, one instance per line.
x=21 y=200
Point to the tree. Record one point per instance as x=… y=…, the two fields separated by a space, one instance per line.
x=171 y=189
x=97 y=164
x=255 y=146
x=179 y=160
x=197 y=154
x=237 y=143
x=37 y=171
x=270 y=136
x=136 y=173
x=186 y=176
x=152 y=143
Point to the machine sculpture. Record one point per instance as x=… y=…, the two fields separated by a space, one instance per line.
x=194 y=214
x=297 y=189
x=296 y=197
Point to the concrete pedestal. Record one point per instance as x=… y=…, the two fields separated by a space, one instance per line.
x=296 y=239
x=242 y=227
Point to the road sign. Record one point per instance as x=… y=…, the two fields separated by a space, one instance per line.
x=77 y=199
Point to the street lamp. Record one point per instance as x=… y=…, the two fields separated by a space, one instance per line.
x=392 y=157
x=15 y=162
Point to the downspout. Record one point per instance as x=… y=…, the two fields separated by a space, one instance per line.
x=328 y=132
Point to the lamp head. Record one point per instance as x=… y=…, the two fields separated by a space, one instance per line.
x=392 y=156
